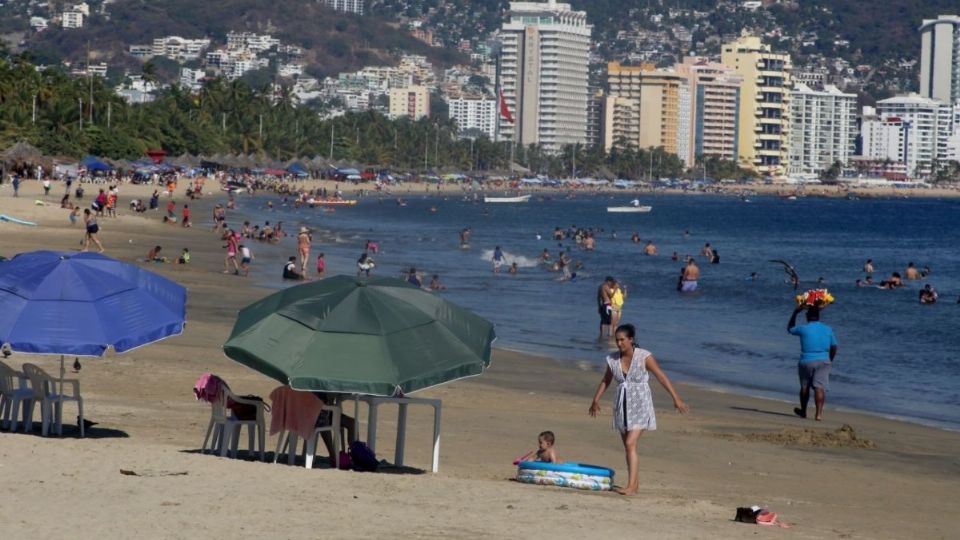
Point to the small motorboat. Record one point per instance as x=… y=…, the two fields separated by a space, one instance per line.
x=331 y=202
x=633 y=208
x=629 y=209
x=517 y=199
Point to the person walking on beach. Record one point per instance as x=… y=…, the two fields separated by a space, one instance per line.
x=633 y=412
x=818 y=346
x=246 y=257
x=15 y=180
x=231 y=257
x=303 y=248
x=92 y=229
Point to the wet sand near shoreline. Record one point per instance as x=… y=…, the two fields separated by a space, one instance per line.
x=885 y=479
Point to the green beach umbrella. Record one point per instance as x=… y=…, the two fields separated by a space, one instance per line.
x=376 y=337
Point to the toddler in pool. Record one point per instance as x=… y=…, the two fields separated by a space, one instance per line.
x=546 y=451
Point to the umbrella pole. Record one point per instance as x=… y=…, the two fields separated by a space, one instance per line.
x=62 y=373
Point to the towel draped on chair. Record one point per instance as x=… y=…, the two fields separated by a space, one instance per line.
x=294 y=411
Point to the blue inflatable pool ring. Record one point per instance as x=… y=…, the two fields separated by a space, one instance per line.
x=574 y=475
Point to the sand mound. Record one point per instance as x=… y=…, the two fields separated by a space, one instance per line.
x=843 y=437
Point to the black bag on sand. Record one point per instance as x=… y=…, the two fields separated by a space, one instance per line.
x=747 y=514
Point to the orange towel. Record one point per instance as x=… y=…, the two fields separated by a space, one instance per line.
x=294 y=411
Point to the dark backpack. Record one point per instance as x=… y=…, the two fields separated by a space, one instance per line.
x=363 y=458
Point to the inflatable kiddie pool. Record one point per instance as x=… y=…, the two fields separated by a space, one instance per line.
x=574 y=475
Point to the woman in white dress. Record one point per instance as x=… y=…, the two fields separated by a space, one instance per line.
x=633 y=410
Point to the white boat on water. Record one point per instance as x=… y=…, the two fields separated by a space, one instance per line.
x=629 y=209
x=634 y=208
x=517 y=199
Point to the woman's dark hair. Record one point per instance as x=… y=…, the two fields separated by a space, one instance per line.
x=628 y=329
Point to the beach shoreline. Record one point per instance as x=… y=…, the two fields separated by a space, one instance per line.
x=733 y=450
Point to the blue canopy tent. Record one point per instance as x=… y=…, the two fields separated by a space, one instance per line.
x=297 y=169
x=94 y=164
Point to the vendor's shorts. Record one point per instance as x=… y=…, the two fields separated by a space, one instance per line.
x=605 y=312
x=815 y=374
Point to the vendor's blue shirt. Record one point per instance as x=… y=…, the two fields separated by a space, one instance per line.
x=815 y=341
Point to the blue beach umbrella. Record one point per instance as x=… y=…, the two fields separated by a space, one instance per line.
x=56 y=302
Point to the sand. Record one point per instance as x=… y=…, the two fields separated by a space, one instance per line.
x=877 y=478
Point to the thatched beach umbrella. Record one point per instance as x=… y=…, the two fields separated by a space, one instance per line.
x=22 y=153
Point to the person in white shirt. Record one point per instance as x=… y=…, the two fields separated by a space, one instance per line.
x=246 y=257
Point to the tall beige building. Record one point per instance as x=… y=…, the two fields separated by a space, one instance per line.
x=544 y=71
x=655 y=96
x=763 y=140
x=714 y=109
x=621 y=125
x=412 y=101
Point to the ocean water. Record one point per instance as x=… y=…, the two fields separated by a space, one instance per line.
x=896 y=357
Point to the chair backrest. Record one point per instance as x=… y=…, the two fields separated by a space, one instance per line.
x=8 y=376
x=219 y=405
x=39 y=380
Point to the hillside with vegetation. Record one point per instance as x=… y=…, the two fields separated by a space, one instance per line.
x=332 y=42
x=880 y=34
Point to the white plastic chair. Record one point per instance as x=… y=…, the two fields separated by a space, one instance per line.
x=14 y=393
x=226 y=427
x=51 y=398
x=287 y=440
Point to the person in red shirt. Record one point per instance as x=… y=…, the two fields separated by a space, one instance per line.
x=171 y=209
x=186 y=216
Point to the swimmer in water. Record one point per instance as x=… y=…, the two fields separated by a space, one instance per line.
x=928 y=295
x=689 y=277
x=435 y=284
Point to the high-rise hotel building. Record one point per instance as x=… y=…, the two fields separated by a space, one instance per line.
x=823 y=129
x=544 y=74
x=714 y=110
x=763 y=141
x=940 y=58
x=656 y=98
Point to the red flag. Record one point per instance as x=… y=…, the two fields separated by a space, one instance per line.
x=504 y=110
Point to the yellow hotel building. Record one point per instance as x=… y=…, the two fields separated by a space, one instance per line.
x=763 y=139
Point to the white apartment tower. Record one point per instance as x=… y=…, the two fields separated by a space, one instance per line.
x=346 y=6
x=911 y=130
x=940 y=58
x=478 y=114
x=823 y=129
x=544 y=74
